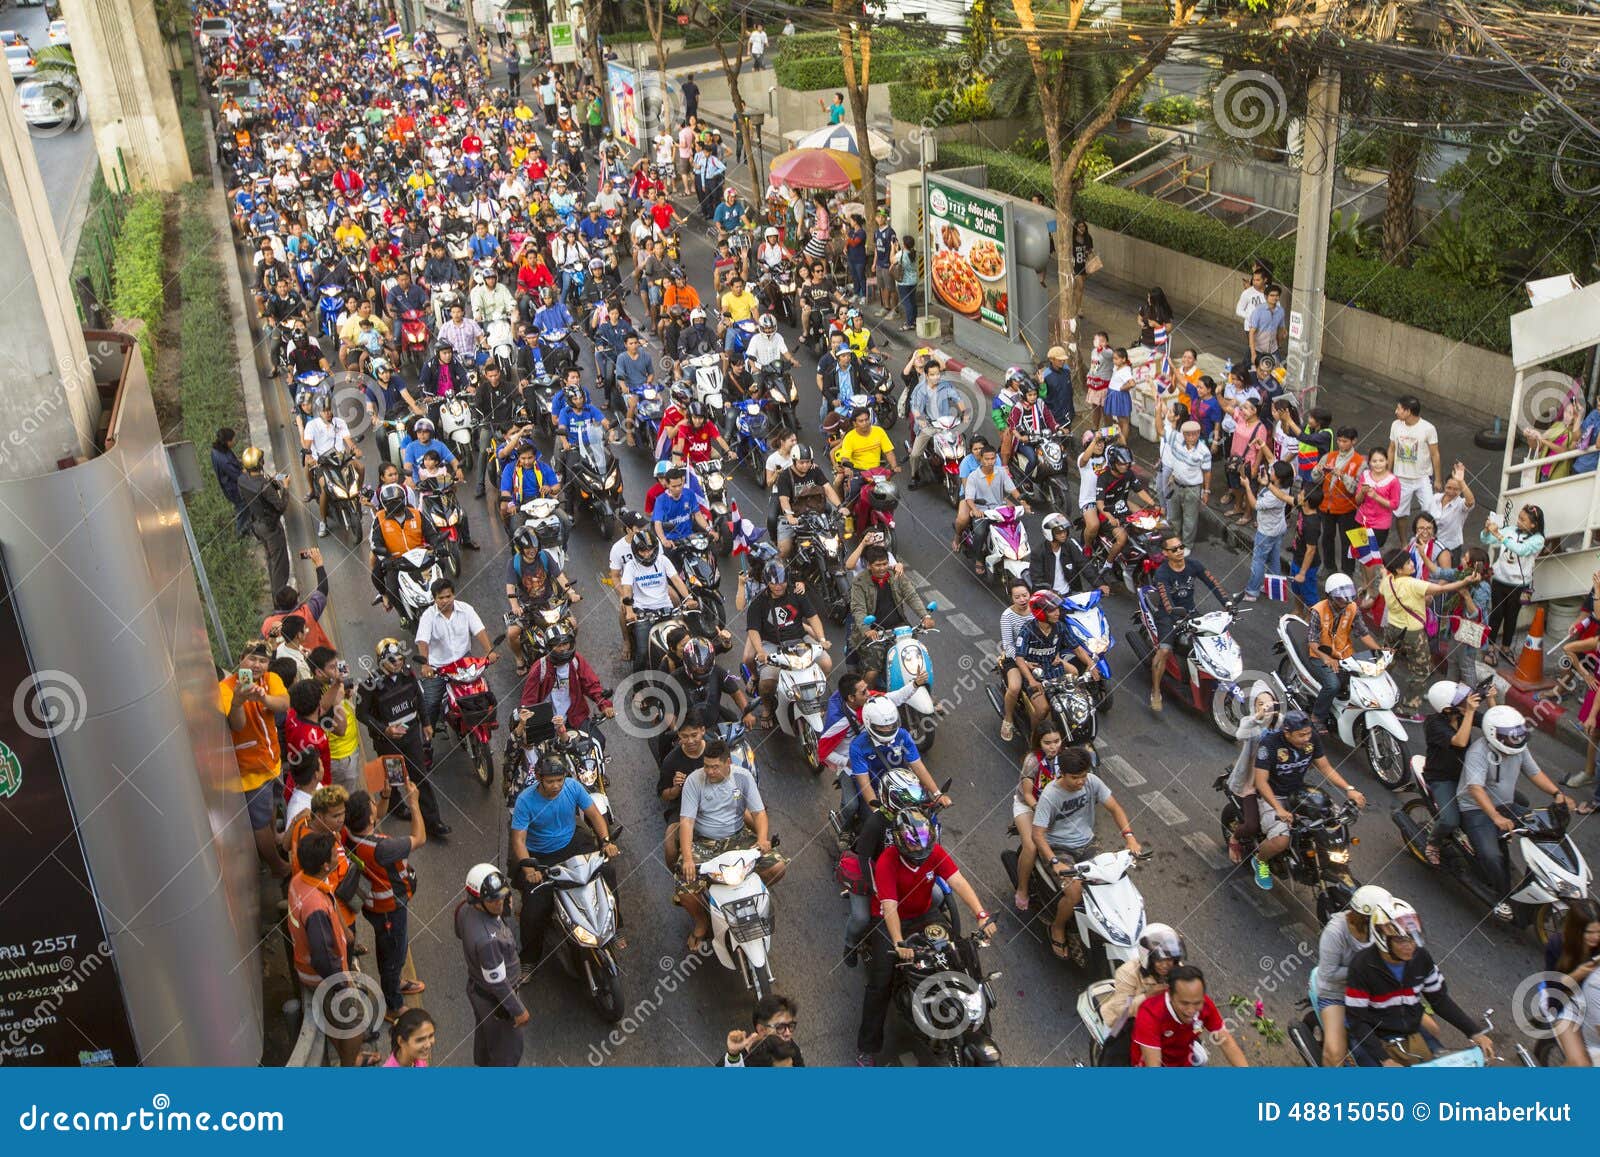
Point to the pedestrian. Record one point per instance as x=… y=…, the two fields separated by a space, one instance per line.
x=1055 y=382
x=855 y=256
x=1188 y=461
x=547 y=97
x=1267 y=327
x=1306 y=553
x=691 y=97
x=1270 y=494
x=1450 y=507
x=834 y=108
x=1512 y=577
x=391 y=881
x=758 y=47
x=1377 y=494
x=594 y=119
x=1414 y=458
x=491 y=960
x=266 y=498
x=249 y=698
x=411 y=1037
x=514 y=75
x=502 y=33
x=1253 y=295
x=884 y=240
x=715 y=174
x=225 y=463
x=286 y=601
x=1340 y=475
x=1405 y=619
x=320 y=943
x=337 y=717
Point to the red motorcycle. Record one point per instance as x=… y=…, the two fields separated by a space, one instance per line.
x=875 y=505
x=470 y=710
x=414 y=339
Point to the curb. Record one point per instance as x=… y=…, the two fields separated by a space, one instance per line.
x=967 y=374
x=257 y=430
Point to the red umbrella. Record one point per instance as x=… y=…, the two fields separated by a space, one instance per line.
x=817 y=169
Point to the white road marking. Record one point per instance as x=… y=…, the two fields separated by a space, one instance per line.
x=1166 y=811
x=931 y=596
x=915 y=577
x=1123 y=771
x=966 y=626
x=1208 y=850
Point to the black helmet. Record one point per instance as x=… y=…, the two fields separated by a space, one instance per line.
x=697 y=411
x=577 y=395
x=884 y=495
x=698 y=660
x=803 y=454
x=775 y=573
x=560 y=643
x=645 y=545
x=1118 y=456
x=392 y=498
x=525 y=539
x=913 y=836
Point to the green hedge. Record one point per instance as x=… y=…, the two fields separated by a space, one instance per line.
x=810 y=73
x=138 y=284
x=805 y=45
x=210 y=396
x=909 y=101
x=1479 y=315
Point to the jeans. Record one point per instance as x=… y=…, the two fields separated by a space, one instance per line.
x=1329 y=682
x=1486 y=845
x=860 y=917
x=858 y=277
x=850 y=802
x=1183 y=511
x=908 y=303
x=1265 y=552
x=1505 y=604
x=1449 y=819
x=432 y=696
x=389 y=937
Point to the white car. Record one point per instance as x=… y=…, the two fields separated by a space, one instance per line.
x=9 y=37
x=58 y=34
x=19 y=58
x=213 y=29
x=48 y=106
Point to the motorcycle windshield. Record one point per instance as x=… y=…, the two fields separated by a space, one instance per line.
x=589 y=440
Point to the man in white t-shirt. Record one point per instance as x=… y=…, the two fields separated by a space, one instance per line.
x=1414 y=458
x=446 y=633
x=666 y=145
x=758 y=47
x=650 y=582
x=767 y=346
x=1450 y=508
x=322 y=435
x=1255 y=293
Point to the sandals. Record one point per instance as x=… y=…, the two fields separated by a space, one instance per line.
x=1059 y=947
x=1586 y=808
x=412 y=988
x=1431 y=854
x=697 y=941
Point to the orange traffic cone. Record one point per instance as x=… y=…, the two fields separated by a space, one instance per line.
x=1529 y=675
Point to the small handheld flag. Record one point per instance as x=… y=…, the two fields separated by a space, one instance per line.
x=392 y=32
x=744 y=531
x=1277 y=588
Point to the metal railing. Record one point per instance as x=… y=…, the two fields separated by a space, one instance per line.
x=97 y=241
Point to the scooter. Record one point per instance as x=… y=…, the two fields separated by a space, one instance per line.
x=1104 y=930
x=817 y=562
x=341 y=476
x=585 y=914
x=751 y=440
x=1045 y=486
x=879 y=386
x=1140 y=555
x=469 y=709
x=802 y=694
x=330 y=305
x=540 y=513
x=1363 y=712
x=904 y=659
x=417 y=570
x=705 y=380
x=741 y=916
x=1204 y=665
x=594 y=477
x=716 y=487
x=1554 y=872
x=1089 y=628
x=695 y=556
x=458 y=424
x=946 y=448
x=1318 y=855
x=439 y=505
x=780 y=394
x=1005 y=547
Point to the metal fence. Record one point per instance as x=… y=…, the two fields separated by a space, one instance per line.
x=97 y=243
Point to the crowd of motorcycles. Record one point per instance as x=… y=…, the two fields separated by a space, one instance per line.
x=418 y=226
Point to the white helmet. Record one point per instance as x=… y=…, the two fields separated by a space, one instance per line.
x=882 y=719
x=1446 y=694
x=697 y=314
x=486 y=882
x=1505 y=729
x=1371 y=901
x=1159 y=942
x=1340 y=588
x=1400 y=919
x=1055 y=521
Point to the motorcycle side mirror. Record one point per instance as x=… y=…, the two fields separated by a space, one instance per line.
x=945 y=787
x=868 y=620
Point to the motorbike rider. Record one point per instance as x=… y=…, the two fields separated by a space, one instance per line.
x=699 y=338
x=881 y=746
x=650 y=582
x=899 y=791
x=1166 y=1031
x=1283 y=760
x=1045 y=650
x=389 y=706
x=1384 y=990
x=1062 y=831
x=906 y=885
x=491 y=301
x=544 y=833
x=1135 y=981
x=403 y=297
x=325 y=434
x=577 y=410
x=497 y=1012
x=1173 y=590
x=1489 y=773
x=841 y=722
x=1447 y=733
x=280 y=310
x=776 y=616
x=1331 y=628
x=933 y=397
x=699 y=438
x=1012 y=619
x=1055 y=565
x=1029 y=421
x=892 y=601
x=801 y=489
x=767 y=346
x=677 y=513
x=701 y=684
x=1343 y=937
x=1119 y=490
x=564 y=679
x=534 y=580
x=527 y=478
x=1040 y=767
x=986 y=488
x=397 y=527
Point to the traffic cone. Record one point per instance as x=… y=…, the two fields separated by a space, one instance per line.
x=1529 y=673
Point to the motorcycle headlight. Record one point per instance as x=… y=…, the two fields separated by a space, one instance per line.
x=1566 y=889
x=585 y=937
x=977 y=1007
x=1117 y=935
x=1366 y=701
x=1338 y=855
x=1079 y=711
x=829 y=543
x=588 y=776
x=716 y=481
x=1096 y=646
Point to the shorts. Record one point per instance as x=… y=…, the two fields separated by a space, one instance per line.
x=349 y=772
x=685 y=166
x=1088 y=489
x=1419 y=488
x=260 y=803
x=1164 y=630
x=1272 y=825
x=707 y=848
x=1119 y=404
x=1078 y=854
x=1018 y=810
x=1095 y=390
x=785 y=531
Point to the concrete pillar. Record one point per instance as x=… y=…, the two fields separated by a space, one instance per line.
x=48 y=405
x=123 y=68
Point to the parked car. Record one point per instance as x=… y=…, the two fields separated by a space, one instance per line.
x=19 y=59
x=58 y=34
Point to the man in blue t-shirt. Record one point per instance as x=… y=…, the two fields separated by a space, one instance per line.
x=677 y=513
x=421 y=442
x=544 y=832
x=882 y=746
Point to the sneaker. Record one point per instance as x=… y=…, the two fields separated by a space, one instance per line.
x=850 y=956
x=1007 y=732
x=1249 y=598
x=1502 y=911
x=1582 y=779
x=865 y=1061
x=322 y=530
x=1263 y=873
x=1155 y=701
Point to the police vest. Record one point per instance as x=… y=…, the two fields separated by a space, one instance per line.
x=400 y=536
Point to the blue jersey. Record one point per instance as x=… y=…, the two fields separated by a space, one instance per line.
x=416 y=449
x=676 y=515
x=592 y=228
x=872 y=759
x=550 y=823
x=566 y=416
x=556 y=316
x=522 y=484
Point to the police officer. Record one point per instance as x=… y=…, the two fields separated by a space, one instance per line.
x=491 y=955
x=265 y=499
x=390 y=706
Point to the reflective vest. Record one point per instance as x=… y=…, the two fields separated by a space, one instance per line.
x=400 y=536
x=1336 y=635
x=306 y=898
x=336 y=875
x=384 y=880
x=314 y=637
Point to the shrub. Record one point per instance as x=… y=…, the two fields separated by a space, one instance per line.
x=138 y=287
x=1175 y=109
x=936 y=107
x=811 y=73
x=1464 y=311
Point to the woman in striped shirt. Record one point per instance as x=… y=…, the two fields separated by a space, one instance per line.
x=1012 y=620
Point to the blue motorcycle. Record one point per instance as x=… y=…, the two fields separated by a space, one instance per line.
x=330 y=304
x=648 y=407
x=1087 y=625
x=752 y=438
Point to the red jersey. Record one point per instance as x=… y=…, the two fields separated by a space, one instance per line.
x=661 y=214
x=910 y=886
x=472 y=144
x=1156 y=1026
x=537 y=170
x=699 y=442
x=299 y=735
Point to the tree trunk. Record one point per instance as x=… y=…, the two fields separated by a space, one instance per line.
x=1400 y=201
x=730 y=69
x=854 y=38
x=655 y=19
x=591 y=27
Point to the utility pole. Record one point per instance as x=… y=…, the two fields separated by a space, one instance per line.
x=1318 y=167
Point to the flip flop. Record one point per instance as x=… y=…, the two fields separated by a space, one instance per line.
x=1431 y=854
x=1020 y=901
x=1059 y=947
x=412 y=987
x=1586 y=808
x=696 y=941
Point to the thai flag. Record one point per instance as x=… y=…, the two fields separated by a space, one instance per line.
x=1159 y=329
x=744 y=531
x=369 y=58
x=392 y=32
x=1166 y=363
x=830 y=740
x=1277 y=588
x=1362 y=548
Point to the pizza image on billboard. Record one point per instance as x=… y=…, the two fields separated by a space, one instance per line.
x=969 y=269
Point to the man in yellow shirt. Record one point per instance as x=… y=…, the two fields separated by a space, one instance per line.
x=337 y=718
x=866 y=446
x=349 y=235
x=248 y=699
x=738 y=304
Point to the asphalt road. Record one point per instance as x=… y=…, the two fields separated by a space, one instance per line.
x=66 y=160
x=1252 y=944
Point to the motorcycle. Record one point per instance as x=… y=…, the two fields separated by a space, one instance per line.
x=780 y=393
x=741 y=916
x=905 y=657
x=742 y=332
x=330 y=305
x=946 y=448
x=417 y=569
x=695 y=556
x=1005 y=546
x=1071 y=699
x=1104 y=930
x=458 y=425
x=647 y=411
x=716 y=487
x=816 y=561
x=1140 y=556
x=555 y=354
x=390 y=436
x=340 y=474
x=585 y=914
x=802 y=694
x=594 y=477
x=1318 y=855
x=534 y=623
x=469 y=710
x=1363 y=712
x=540 y=513
x=1045 y=486
x=945 y=997
x=705 y=379
x=751 y=438
x=1204 y=665
x=1089 y=628
x=775 y=288
x=878 y=384
x=440 y=507
x=1554 y=872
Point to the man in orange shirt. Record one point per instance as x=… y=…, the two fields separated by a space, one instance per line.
x=248 y=699
x=1341 y=471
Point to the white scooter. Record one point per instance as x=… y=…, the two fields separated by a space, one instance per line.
x=905 y=657
x=705 y=376
x=458 y=425
x=802 y=693
x=585 y=913
x=415 y=579
x=1005 y=551
x=741 y=916
x=1104 y=931
x=538 y=512
x=1364 y=714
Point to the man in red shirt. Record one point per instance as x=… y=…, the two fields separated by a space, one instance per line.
x=699 y=438
x=300 y=730
x=906 y=893
x=661 y=211
x=1167 y=1027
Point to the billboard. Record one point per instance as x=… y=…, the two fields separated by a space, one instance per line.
x=968 y=248
x=563 y=43
x=622 y=93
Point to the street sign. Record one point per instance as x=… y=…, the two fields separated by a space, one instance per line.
x=968 y=240
x=1297 y=324
x=563 y=44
